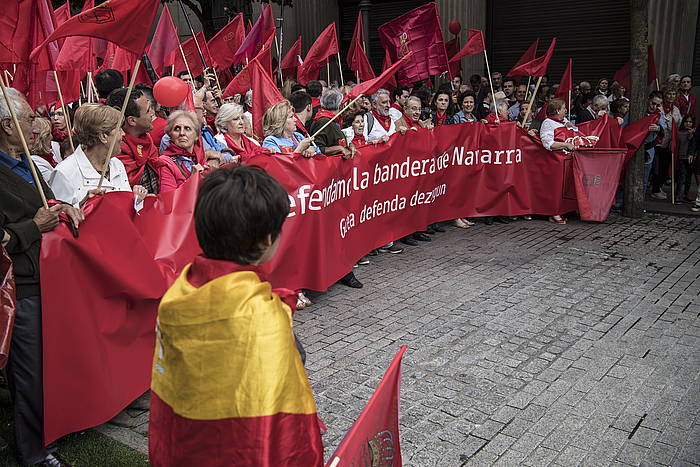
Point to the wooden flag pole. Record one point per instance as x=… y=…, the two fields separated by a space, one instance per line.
x=89 y=87
x=82 y=93
x=527 y=91
x=532 y=99
x=340 y=67
x=187 y=66
x=336 y=116
x=25 y=147
x=278 y=46
x=328 y=72
x=357 y=74
x=657 y=84
x=95 y=94
x=493 y=94
x=568 y=108
x=113 y=141
x=66 y=117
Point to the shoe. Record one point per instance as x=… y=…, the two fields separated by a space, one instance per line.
x=363 y=261
x=695 y=208
x=468 y=222
x=513 y=218
x=659 y=195
x=428 y=231
x=527 y=217
x=460 y=224
x=437 y=228
x=373 y=253
x=557 y=220
x=409 y=241
x=488 y=221
x=351 y=281
x=421 y=237
x=53 y=460
x=142 y=403
x=393 y=249
x=502 y=220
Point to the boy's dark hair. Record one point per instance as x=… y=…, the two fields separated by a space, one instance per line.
x=654 y=94
x=399 y=90
x=298 y=87
x=107 y=81
x=299 y=100
x=237 y=209
x=116 y=100
x=314 y=88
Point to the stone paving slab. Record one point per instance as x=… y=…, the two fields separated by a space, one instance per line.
x=528 y=344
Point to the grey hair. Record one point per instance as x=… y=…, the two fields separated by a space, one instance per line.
x=599 y=99
x=500 y=104
x=672 y=76
x=331 y=99
x=227 y=112
x=17 y=98
x=183 y=113
x=415 y=99
x=380 y=92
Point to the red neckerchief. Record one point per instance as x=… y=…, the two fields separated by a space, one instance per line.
x=211 y=122
x=491 y=118
x=48 y=157
x=668 y=108
x=397 y=107
x=300 y=126
x=440 y=119
x=324 y=113
x=172 y=151
x=411 y=122
x=58 y=135
x=556 y=119
x=384 y=120
x=203 y=270
x=136 y=153
x=359 y=140
x=315 y=102
x=248 y=145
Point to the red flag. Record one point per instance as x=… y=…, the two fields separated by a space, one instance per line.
x=417 y=31
x=76 y=51
x=528 y=56
x=376 y=430
x=651 y=65
x=358 y=38
x=191 y=54
x=386 y=64
x=226 y=42
x=165 y=45
x=475 y=44
x=124 y=22
x=62 y=13
x=265 y=94
x=624 y=75
x=565 y=84
x=373 y=85
x=452 y=47
x=243 y=80
x=292 y=59
x=596 y=177
x=536 y=66
x=258 y=35
x=325 y=45
x=360 y=64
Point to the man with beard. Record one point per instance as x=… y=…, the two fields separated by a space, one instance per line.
x=378 y=122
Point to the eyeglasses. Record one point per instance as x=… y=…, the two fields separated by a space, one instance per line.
x=55 y=114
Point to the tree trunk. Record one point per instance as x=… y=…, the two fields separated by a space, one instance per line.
x=634 y=173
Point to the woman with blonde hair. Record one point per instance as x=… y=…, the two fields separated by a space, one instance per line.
x=230 y=122
x=75 y=179
x=279 y=124
x=41 y=147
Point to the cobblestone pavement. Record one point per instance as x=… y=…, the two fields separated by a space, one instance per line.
x=528 y=344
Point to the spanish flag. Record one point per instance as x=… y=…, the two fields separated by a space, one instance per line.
x=229 y=387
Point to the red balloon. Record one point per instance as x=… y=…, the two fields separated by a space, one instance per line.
x=170 y=91
x=455 y=27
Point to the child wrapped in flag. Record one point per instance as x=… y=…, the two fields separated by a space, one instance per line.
x=229 y=387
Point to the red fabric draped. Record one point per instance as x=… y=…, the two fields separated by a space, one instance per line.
x=136 y=153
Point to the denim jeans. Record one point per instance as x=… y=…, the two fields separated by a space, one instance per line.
x=648 y=163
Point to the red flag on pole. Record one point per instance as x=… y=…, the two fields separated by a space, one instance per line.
x=127 y=23
x=325 y=45
x=651 y=65
x=624 y=75
x=76 y=51
x=191 y=53
x=475 y=44
x=537 y=66
x=417 y=31
x=528 y=56
x=358 y=38
x=264 y=28
x=373 y=85
x=385 y=66
x=357 y=58
x=62 y=13
x=226 y=43
x=165 y=43
x=376 y=430
x=292 y=59
x=265 y=94
x=565 y=85
x=244 y=79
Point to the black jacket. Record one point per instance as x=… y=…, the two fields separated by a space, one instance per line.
x=19 y=202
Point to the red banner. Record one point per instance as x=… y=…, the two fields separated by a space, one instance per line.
x=99 y=319
x=596 y=176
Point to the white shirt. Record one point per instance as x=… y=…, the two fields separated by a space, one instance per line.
x=547 y=131
x=221 y=139
x=72 y=178
x=378 y=130
x=44 y=167
x=395 y=114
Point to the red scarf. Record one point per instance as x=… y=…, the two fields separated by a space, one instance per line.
x=315 y=102
x=359 y=140
x=136 y=153
x=300 y=127
x=172 y=151
x=397 y=107
x=411 y=122
x=58 y=135
x=48 y=157
x=440 y=119
x=324 y=113
x=248 y=146
x=384 y=120
x=555 y=118
x=668 y=108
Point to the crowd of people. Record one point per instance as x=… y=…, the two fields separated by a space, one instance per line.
x=160 y=148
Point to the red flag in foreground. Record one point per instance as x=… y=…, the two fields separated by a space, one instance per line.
x=373 y=85
x=565 y=86
x=76 y=52
x=265 y=94
x=417 y=31
x=596 y=177
x=258 y=35
x=226 y=42
x=536 y=66
x=376 y=430
x=127 y=23
x=292 y=60
x=324 y=46
x=165 y=43
x=475 y=44
x=528 y=56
